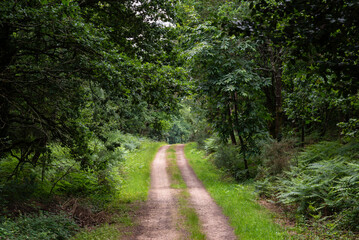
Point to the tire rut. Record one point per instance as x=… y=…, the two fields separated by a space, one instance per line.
x=214 y=224
x=159 y=216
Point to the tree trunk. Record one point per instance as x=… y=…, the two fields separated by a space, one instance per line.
x=274 y=92
x=276 y=63
x=302 y=134
x=6 y=54
x=278 y=105
x=231 y=133
x=243 y=147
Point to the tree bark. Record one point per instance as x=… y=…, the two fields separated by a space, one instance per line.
x=303 y=134
x=243 y=147
x=230 y=123
x=276 y=64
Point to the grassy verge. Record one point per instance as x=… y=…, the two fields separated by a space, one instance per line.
x=189 y=221
x=238 y=201
x=135 y=172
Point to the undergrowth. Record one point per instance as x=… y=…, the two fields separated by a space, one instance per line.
x=38 y=226
x=116 y=175
x=135 y=171
x=322 y=184
x=238 y=201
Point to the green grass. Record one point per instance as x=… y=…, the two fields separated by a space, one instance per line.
x=191 y=221
x=188 y=220
x=173 y=170
x=135 y=172
x=103 y=232
x=238 y=201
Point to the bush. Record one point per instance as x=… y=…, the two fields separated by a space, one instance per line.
x=117 y=139
x=326 y=181
x=211 y=145
x=43 y=226
x=275 y=157
x=229 y=159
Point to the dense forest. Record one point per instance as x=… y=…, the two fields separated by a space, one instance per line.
x=269 y=89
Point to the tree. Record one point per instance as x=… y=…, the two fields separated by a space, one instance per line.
x=65 y=75
x=227 y=83
x=318 y=36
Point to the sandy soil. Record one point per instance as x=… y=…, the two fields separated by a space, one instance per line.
x=158 y=218
x=214 y=224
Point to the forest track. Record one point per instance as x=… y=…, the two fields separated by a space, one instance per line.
x=214 y=224
x=158 y=219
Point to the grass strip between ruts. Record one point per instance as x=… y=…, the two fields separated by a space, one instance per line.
x=188 y=221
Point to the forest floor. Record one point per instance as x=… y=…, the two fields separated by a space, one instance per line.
x=160 y=217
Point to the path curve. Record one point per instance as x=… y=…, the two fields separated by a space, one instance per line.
x=214 y=224
x=159 y=219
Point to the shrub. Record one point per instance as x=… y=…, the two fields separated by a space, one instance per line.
x=229 y=159
x=117 y=139
x=326 y=180
x=211 y=145
x=43 y=226
x=275 y=157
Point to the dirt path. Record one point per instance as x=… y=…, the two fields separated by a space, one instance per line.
x=159 y=216
x=214 y=223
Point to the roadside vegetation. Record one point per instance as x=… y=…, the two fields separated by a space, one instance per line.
x=313 y=191
x=80 y=199
x=238 y=201
x=320 y=184
x=268 y=89
x=279 y=94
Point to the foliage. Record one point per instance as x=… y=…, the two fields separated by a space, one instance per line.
x=63 y=175
x=125 y=180
x=228 y=159
x=318 y=54
x=227 y=85
x=134 y=174
x=67 y=78
x=322 y=183
x=276 y=157
x=182 y=126
x=42 y=226
x=248 y=219
x=103 y=232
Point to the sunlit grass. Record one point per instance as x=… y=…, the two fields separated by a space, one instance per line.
x=173 y=170
x=238 y=201
x=135 y=172
x=188 y=220
x=103 y=232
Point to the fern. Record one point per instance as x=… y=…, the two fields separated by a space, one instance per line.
x=326 y=180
